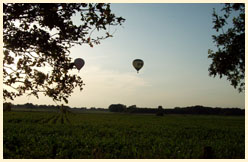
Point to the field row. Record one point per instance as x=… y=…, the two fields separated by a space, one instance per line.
x=53 y=118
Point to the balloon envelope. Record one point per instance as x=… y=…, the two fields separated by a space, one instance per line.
x=138 y=64
x=79 y=63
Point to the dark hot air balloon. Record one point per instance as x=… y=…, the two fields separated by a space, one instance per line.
x=79 y=63
x=138 y=64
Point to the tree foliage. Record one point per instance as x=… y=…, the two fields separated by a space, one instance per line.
x=229 y=59
x=160 y=111
x=36 y=36
x=117 y=108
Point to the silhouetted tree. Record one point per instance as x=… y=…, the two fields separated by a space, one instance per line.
x=7 y=106
x=131 y=108
x=229 y=59
x=29 y=105
x=160 y=111
x=40 y=35
x=117 y=108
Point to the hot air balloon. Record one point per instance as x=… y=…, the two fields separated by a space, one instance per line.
x=79 y=63
x=138 y=64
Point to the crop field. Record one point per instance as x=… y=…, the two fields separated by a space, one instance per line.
x=121 y=136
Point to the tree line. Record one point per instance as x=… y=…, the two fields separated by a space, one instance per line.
x=50 y=107
x=160 y=111
x=198 y=109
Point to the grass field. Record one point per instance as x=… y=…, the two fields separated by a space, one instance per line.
x=120 y=136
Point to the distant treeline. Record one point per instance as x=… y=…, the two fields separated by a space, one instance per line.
x=198 y=109
x=34 y=106
x=177 y=110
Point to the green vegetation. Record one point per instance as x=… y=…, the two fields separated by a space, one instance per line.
x=113 y=135
x=229 y=58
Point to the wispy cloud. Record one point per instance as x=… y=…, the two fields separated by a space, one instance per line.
x=106 y=78
x=107 y=86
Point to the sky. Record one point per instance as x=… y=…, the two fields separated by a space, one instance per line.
x=173 y=41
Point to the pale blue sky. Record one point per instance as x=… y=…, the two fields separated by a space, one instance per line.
x=173 y=40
